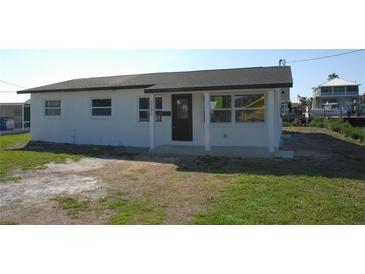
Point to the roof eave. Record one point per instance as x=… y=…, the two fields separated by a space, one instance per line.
x=230 y=87
x=82 y=89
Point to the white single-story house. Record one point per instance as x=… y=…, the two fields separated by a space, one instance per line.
x=207 y=109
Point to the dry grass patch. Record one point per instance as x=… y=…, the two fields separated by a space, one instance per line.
x=182 y=193
x=71 y=205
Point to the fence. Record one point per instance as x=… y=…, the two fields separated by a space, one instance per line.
x=328 y=113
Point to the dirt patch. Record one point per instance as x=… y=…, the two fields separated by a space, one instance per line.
x=164 y=180
x=321 y=144
x=181 y=192
x=29 y=200
x=53 y=179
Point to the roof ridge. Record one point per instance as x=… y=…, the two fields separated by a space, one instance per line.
x=185 y=71
x=319 y=85
x=176 y=78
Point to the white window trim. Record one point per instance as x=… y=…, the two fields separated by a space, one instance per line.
x=233 y=109
x=245 y=108
x=52 y=116
x=142 y=109
x=159 y=109
x=100 y=117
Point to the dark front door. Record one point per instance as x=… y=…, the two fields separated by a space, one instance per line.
x=182 y=118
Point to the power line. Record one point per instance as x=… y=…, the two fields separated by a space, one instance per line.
x=284 y=62
x=12 y=84
x=327 y=56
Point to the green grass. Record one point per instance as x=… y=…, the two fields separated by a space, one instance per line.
x=71 y=205
x=132 y=211
x=264 y=195
x=13 y=156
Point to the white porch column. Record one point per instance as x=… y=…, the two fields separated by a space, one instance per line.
x=152 y=121
x=278 y=119
x=271 y=119
x=22 y=116
x=207 y=121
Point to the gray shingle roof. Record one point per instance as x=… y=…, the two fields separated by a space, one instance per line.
x=256 y=77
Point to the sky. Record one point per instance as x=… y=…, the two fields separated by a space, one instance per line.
x=32 y=68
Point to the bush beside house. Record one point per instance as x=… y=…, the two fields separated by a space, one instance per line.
x=334 y=124
x=340 y=126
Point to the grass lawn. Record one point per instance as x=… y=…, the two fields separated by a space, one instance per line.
x=325 y=184
x=13 y=157
x=72 y=205
x=271 y=199
x=131 y=211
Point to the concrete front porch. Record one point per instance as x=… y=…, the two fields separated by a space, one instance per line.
x=223 y=151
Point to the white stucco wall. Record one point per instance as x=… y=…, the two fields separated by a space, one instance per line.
x=76 y=125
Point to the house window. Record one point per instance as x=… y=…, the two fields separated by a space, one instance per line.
x=101 y=107
x=249 y=108
x=221 y=109
x=158 y=109
x=144 y=109
x=340 y=89
x=236 y=108
x=52 y=108
x=326 y=90
x=352 y=88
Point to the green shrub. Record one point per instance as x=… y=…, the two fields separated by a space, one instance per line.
x=340 y=126
x=337 y=127
x=358 y=134
x=317 y=122
x=292 y=122
x=347 y=130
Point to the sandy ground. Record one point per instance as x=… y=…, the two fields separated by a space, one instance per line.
x=30 y=200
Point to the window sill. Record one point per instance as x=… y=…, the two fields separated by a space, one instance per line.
x=100 y=117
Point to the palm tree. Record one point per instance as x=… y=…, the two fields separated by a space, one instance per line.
x=332 y=76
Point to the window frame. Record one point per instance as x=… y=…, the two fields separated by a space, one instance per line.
x=328 y=90
x=149 y=109
x=336 y=90
x=101 y=116
x=45 y=107
x=230 y=109
x=245 y=108
x=233 y=109
x=353 y=91
x=158 y=109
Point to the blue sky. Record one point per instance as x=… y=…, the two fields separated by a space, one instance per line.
x=31 y=68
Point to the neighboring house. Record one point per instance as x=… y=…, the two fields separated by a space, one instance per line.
x=211 y=108
x=16 y=108
x=335 y=94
